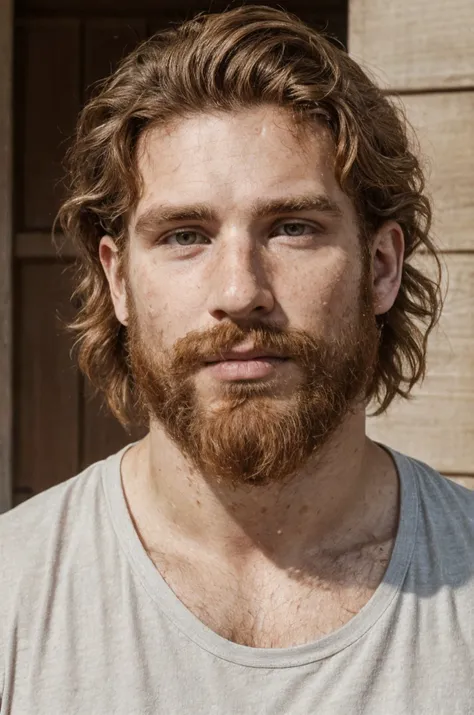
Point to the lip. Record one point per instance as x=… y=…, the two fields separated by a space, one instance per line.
x=243 y=354
x=244 y=363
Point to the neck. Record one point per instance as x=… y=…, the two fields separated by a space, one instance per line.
x=344 y=498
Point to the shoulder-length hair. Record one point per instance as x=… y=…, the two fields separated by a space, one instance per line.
x=245 y=57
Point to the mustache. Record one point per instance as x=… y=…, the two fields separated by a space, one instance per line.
x=192 y=350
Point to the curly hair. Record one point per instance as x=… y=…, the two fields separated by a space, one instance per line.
x=245 y=57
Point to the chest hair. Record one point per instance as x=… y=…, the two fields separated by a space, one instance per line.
x=268 y=607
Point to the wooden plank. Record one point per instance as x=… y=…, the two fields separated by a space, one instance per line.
x=102 y=434
x=47 y=115
x=437 y=426
x=46 y=380
x=443 y=123
x=414 y=45
x=6 y=51
x=106 y=42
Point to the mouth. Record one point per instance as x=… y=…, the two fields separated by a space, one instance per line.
x=244 y=365
x=237 y=355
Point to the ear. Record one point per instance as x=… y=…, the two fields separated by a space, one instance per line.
x=110 y=259
x=388 y=250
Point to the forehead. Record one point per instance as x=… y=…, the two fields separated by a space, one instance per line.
x=230 y=159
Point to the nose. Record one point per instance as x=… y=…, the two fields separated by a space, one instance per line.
x=239 y=284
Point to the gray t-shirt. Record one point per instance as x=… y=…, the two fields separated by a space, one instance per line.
x=88 y=626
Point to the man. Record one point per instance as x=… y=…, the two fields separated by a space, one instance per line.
x=245 y=206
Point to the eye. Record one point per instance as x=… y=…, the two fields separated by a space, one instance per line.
x=185 y=238
x=294 y=229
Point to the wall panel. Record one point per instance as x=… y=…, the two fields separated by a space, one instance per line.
x=444 y=124
x=437 y=425
x=46 y=380
x=51 y=102
x=106 y=42
x=414 y=44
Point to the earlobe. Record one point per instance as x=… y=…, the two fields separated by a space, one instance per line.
x=110 y=260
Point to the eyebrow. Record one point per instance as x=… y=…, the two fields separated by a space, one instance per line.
x=169 y=213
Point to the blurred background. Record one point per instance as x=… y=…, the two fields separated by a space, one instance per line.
x=52 y=52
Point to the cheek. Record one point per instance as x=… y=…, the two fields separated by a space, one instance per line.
x=162 y=306
x=322 y=293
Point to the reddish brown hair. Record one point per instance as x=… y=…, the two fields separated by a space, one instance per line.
x=228 y=61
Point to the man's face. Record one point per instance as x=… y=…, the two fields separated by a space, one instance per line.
x=290 y=282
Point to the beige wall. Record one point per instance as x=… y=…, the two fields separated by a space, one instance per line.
x=423 y=50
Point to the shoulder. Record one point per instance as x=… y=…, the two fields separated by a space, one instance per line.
x=55 y=523
x=439 y=496
x=444 y=552
x=42 y=540
x=25 y=529
x=50 y=529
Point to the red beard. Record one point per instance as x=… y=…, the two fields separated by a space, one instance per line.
x=251 y=437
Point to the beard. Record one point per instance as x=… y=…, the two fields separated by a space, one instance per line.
x=251 y=434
